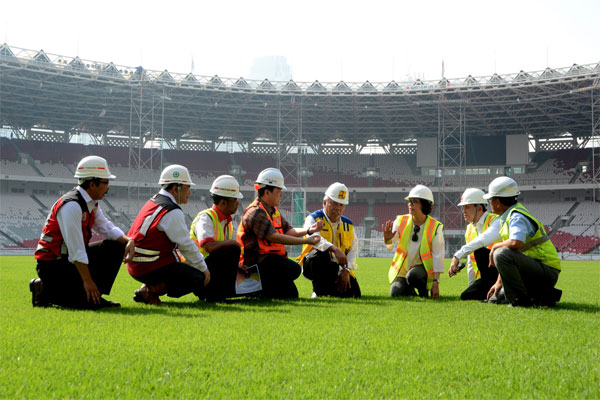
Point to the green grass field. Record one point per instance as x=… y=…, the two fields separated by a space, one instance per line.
x=372 y=348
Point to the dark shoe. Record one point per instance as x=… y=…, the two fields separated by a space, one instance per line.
x=551 y=298
x=521 y=303
x=144 y=295
x=107 y=303
x=36 y=288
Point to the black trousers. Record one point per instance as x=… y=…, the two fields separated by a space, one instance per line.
x=179 y=279
x=323 y=272
x=416 y=278
x=223 y=267
x=277 y=275
x=62 y=282
x=479 y=289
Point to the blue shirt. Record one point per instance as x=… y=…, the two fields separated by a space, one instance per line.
x=519 y=226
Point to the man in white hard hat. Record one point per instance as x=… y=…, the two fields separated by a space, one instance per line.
x=483 y=230
x=73 y=272
x=330 y=264
x=212 y=231
x=160 y=234
x=419 y=258
x=527 y=261
x=263 y=234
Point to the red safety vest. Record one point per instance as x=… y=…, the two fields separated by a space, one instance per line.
x=51 y=245
x=264 y=246
x=153 y=248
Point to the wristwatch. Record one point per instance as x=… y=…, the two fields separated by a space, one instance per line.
x=436 y=280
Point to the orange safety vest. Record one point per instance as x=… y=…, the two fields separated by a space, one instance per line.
x=405 y=226
x=264 y=246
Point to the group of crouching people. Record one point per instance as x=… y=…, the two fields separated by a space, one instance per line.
x=509 y=257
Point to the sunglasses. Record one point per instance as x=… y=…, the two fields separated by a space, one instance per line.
x=414 y=236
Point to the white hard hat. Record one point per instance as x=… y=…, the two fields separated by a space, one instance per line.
x=270 y=177
x=175 y=174
x=226 y=186
x=93 y=167
x=338 y=192
x=472 y=196
x=502 y=186
x=420 y=192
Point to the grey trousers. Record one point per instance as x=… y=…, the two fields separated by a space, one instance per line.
x=416 y=278
x=523 y=277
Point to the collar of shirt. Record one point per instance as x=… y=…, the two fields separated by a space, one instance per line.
x=479 y=224
x=270 y=210
x=86 y=197
x=334 y=225
x=169 y=195
x=505 y=214
x=221 y=216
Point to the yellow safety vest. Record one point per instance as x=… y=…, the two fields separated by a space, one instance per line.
x=539 y=246
x=219 y=233
x=405 y=227
x=345 y=234
x=470 y=235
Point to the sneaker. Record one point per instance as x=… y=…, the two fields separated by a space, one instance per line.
x=36 y=288
x=313 y=295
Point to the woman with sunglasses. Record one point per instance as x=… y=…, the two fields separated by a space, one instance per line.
x=419 y=258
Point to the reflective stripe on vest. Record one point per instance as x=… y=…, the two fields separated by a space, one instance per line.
x=345 y=234
x=538 y=246
x=219 y=234
x=405 y=227
x=264 y=246
x=470 y=235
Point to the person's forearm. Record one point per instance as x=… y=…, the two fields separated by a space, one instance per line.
x=285 y=239
x=298 y=232
x=214 y=245
x=84 y=271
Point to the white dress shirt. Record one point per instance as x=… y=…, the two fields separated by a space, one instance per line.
x=173 y=225
x=324 y=245
x=413 y=255
x=69 y=222
x=483 y=239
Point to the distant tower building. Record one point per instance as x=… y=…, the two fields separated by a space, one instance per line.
x=273 y=68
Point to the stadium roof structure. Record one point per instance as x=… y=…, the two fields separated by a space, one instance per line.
x=72 y=95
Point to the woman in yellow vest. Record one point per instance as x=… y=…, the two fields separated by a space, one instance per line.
x=330 y=263
x=419 y=258
x=527 y=261
x=212 y=231
x=482 y=231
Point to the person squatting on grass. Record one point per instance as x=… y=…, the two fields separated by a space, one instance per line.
x=160 y=233
x=330 y=264
x=212 y=231
x=72 y=272
x=419 y=258
x=263 y=234
x=483 y=230
x=527 y=261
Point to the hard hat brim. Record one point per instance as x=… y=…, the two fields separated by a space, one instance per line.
x=344 y=202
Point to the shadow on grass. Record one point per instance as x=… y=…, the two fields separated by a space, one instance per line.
x=581 y=307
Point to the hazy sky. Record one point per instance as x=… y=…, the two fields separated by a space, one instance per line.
x=325 y=40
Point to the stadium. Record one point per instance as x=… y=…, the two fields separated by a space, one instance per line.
x=541 y=128
x=380 y=139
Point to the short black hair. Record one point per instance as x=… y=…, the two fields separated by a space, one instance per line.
x=217 y=199
x=86 y=184
x=261 y=191
x=483 y=207
x=508 y=201
x=426 y=206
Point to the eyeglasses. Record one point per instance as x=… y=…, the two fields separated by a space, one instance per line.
x=414 y=236
x=104 y=182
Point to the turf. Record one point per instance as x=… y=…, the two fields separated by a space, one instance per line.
x=371 y=348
